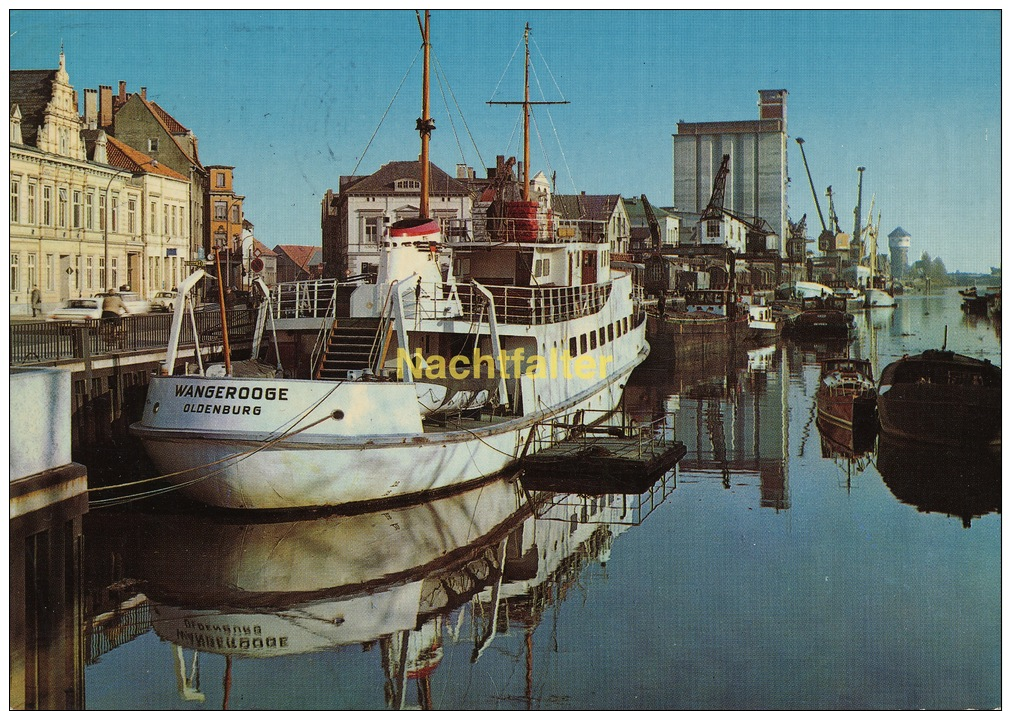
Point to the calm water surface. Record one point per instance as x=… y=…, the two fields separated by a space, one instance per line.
x=765 y=572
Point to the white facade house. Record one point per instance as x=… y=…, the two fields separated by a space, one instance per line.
x=366 y=206
x=87 y=213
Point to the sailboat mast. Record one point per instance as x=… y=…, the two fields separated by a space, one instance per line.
x=425 y=123
x=526 y=114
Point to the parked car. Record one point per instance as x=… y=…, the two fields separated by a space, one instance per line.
x=163 y=301
x=78 y=310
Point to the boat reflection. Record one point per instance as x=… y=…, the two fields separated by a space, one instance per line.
x=960 y=482
x=403 y=578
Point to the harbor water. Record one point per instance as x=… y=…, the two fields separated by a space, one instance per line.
x=766 y=571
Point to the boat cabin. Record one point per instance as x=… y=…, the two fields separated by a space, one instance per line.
x=714 y=301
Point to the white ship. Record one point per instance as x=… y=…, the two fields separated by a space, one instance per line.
x=443 y=385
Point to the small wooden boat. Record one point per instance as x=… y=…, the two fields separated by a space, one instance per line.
x=941 y=397
x=847 y=403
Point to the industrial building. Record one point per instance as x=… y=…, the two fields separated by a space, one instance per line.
x=898 y=246
x=758 y=178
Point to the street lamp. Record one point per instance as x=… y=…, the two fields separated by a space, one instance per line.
x=105 y=226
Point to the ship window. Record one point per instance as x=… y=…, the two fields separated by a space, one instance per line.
x=582 y=343
x=601 y=332
x=572 y=347
x=593 y=340
x=610 y=331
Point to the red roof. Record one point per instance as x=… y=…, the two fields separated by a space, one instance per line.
x=302 y=255
x=265 y=251
x=127 y=158
x=171 y=125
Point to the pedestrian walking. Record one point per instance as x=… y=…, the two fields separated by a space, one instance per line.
x=36 y=301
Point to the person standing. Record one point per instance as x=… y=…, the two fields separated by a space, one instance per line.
x=36 y=301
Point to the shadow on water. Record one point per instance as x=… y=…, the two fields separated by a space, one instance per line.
x=960 y=482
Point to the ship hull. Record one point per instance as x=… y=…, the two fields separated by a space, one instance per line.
x=299 y=466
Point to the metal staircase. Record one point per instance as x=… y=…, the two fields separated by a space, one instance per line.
x=347 y=348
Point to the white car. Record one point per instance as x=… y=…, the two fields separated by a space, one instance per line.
x=78 y=310
x=163 y=301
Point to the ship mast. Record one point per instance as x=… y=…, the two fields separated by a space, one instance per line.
x=526 y=104
x=426 y=124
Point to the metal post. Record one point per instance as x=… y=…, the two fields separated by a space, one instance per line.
x=105 y=226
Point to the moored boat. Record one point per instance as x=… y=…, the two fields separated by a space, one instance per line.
x=417 y=384
x=846 y=400
x=941 y=397
x=822 y=318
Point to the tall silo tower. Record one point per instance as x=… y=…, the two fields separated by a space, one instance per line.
x=898 y=246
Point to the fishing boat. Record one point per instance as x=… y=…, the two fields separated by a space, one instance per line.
x=846 y=400
x=763 y=325
x=941 y=397
x=822 y=318
x=429 y=379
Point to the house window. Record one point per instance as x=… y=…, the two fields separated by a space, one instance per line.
x=220 y=210
x=219 y=180
x=113 y=272
x=154 y=217
x=47 y=205
x=77 y=272
x=172 y=222
x=15 y=272
x=165 y=222
x=31 y=203
x=131 y=215
x=182 y=221
x=114 y=208
x=373 y=229
x=101 y=211
x=101 y=273
x=407 y=185
x=63 y=207
x=33 y=277
x=15 y=199
x=77 y=209
x=152 y=144
x=235 y=214
x=50 y=272
x=89 y=272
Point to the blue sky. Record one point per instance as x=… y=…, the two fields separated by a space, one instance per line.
x=292 y=100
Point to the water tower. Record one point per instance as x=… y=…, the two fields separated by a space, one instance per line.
x=898 y=246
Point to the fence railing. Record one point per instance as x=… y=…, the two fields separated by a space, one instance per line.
x=58 y=341
x=536 y=305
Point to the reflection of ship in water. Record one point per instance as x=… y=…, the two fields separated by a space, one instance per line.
x=238 y=588
x=851 y=458
x=960 y=482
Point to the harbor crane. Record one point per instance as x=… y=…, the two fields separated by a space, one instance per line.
x=827 y=237
x=856 y=246
x=654 y=226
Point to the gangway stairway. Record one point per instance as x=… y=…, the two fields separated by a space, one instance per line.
x=347 y=348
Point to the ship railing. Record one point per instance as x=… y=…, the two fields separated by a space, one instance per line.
x=646 y=439
x=323 y=337
x=549 y=228
x=536 y=305
x=304 y=299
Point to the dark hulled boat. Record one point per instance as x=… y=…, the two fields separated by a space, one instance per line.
x=822 y=318
x=941 y=397
x=847 y=400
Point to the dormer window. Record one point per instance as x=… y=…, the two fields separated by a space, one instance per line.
x=407 y=185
